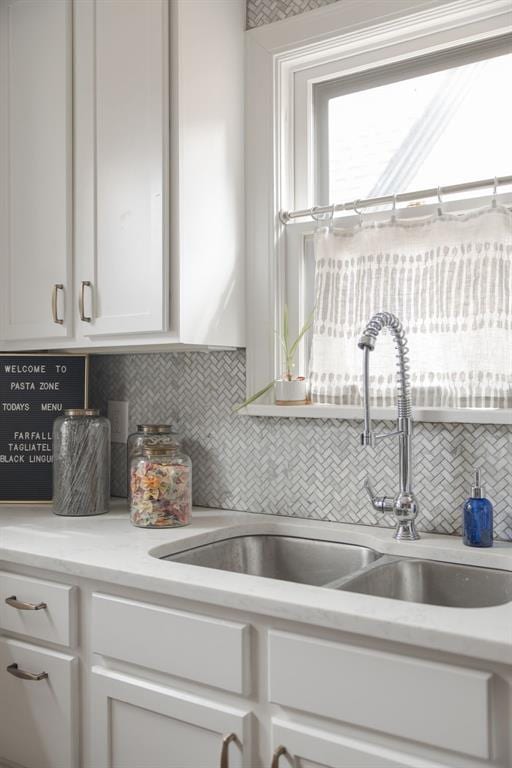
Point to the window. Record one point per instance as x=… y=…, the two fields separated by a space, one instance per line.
x=365 y=107
x=387 y=132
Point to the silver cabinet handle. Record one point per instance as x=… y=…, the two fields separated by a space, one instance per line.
x=224 y=755
x=21 y=606
x=56 y=288
x=81 y=301
x=13 y=669
x=279 y=752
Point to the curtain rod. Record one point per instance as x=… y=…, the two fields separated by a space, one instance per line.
x=354 y=205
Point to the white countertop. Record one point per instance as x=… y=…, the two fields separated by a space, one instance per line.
x=107 y=548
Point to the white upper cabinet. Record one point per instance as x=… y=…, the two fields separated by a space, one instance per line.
x=35 y=168
x=155 y=166
x=121 y=148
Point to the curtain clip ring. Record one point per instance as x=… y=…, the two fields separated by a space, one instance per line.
x=358 y=211
x=393 y=209
x=331 y=216
x=314 y=214
x=322 y=217
x=494 y=202
x=440 y=202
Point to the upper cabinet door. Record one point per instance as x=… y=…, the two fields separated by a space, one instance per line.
x=121 y=151
x=35 y=168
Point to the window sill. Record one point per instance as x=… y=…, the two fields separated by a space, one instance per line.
x=355 y=413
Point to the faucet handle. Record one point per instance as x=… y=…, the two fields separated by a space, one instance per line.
x=380 y=503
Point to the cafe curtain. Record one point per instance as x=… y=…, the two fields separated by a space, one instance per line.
x=448 y=278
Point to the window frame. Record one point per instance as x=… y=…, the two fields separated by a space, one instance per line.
x=284 y=62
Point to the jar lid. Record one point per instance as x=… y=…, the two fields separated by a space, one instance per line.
x=81 y=412
x=154 y=429
x=160 y=450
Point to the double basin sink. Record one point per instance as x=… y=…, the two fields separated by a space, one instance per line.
x=352 y=568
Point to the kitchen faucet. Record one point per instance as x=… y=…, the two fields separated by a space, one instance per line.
x=404 y=506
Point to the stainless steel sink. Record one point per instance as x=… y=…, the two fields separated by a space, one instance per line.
x=305 y=561
x=350 y=568
x=434 y=583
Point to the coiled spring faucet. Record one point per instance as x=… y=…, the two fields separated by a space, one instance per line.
x=404 y=506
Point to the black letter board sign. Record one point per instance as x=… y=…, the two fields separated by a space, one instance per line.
x=34 y=391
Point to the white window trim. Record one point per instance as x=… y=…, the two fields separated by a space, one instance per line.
x=284 y=60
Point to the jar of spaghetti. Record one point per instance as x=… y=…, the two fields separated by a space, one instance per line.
x=161 y=487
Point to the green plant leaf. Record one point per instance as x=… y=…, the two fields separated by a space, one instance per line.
x=305 y=328
x=254 y=397
x=281 y=341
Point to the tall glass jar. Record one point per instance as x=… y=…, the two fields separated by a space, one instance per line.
x=81 y=463
x=147 y=435
x=161 y=487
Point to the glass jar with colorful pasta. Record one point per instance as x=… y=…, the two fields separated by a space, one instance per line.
x=148 y=435
x=161 y=487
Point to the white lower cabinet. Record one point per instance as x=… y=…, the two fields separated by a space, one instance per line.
x=442 y=706
x=140 y=724
x=304 y=747
x=170 y=683
x=38 y=717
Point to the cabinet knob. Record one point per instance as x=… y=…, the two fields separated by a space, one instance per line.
x=224 y=755
x=55 y=313
x=21 y=606
x=278 y=753
x=81 y=301
x=14 y=670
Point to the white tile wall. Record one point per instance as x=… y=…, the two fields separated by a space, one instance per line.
x=301 y=467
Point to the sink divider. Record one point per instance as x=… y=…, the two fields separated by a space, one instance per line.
x=344 y=580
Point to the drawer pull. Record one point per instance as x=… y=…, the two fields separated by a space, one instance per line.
x=13 y=669
x=56 y=319
x=224 y=755
x=81 y=301
x=279 y=752
x=21 y=606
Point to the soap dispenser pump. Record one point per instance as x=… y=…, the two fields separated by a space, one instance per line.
x=478 y=517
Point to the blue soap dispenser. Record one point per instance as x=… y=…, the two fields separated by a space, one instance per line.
x=478 y=521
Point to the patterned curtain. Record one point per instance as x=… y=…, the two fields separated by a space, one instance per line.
x=449 y=280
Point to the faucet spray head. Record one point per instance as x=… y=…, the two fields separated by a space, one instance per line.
x=366 y=341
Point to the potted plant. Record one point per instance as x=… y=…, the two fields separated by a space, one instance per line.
x=289 y=389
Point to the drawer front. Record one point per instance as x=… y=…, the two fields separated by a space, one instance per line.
x=38 y=719
x=55 y=623
x=313 y=748
x=198 y=648
x=437 y=704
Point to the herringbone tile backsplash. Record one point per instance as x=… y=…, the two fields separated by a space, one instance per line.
x=310 y=468
x=266 y=11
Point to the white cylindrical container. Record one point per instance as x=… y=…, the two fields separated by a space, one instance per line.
x=294 y=392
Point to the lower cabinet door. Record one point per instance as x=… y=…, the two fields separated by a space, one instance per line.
x=295 y=746
x=137 y=723
x=38 y=707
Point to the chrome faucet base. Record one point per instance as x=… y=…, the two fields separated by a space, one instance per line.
x=406 y=531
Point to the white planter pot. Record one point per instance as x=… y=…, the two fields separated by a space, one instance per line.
x=293 y=392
